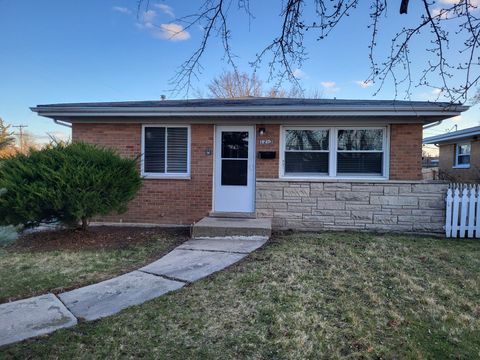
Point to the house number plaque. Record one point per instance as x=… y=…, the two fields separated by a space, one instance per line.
x=266 y=141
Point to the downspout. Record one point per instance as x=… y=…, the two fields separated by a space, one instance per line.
x=62 y=123
x=436 y=123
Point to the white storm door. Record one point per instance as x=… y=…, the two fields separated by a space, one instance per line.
x=234 y=189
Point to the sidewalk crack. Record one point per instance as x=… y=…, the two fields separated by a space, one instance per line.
x=216 y=251
x=165 y=276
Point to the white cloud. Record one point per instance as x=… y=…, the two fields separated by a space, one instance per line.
x=433 y=95
x=443 y=13
x=453 y=2
x=148 y=16
x=122 y=10
x=172 y=32
x=168 y=10
x=475 y=3
x=328 y=84
x=299 y=74
x=364 y=84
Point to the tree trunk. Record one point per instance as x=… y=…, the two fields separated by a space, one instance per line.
x=404 y=7
x=84 y=223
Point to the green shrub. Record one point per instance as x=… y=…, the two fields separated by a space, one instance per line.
x=67 y=183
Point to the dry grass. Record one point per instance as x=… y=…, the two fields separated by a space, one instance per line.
x=27 y=271
x=343 y=295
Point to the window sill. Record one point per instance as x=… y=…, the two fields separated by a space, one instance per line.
x=165 y=177
x=334 y=178
x=461 y=167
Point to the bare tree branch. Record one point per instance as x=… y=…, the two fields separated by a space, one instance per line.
x=234 y=85
x=452 y=64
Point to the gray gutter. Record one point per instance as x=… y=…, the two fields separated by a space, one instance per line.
x=73 y=111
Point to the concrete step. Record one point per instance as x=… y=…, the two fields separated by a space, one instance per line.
x=227 y=227
x=235 y=215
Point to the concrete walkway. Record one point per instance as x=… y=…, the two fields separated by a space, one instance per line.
x=193 y=260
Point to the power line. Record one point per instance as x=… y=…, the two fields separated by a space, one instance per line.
x=20 y=134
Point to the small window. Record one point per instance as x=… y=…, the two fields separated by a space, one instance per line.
x=462 y=155
x=360 y=152
x=166 y=151
x=306 y=152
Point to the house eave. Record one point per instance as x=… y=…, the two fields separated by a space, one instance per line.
x=452 y=137
x=271 y=111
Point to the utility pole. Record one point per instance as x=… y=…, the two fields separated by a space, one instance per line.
x=20 y=134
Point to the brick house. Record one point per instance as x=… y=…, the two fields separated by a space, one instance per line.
x=459 y=152
x=305 y=163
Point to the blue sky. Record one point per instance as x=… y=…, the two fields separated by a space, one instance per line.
x=75 y=51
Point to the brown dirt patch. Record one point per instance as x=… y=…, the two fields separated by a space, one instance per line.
x=96 y=237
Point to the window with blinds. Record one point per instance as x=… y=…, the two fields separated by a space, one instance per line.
x=462 y=155
x=306 y=151
x=166 y=150
x=334 y=152
x=360 y=152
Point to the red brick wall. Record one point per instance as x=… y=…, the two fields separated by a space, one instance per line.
x=406 y=152
x=268 y=168
x=447 y=162
x=169 y=201
x=162 y=201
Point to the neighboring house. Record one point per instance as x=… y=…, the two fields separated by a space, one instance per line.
x=306 y=163
x=459 y=158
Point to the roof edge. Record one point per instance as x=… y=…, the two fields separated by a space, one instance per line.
x=460 y=134
x=406 y=110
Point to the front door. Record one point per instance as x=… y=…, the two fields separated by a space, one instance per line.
x=234 y=169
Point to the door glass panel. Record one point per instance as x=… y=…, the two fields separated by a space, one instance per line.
x=235 y=144
x=234 y=172
x=234 y=158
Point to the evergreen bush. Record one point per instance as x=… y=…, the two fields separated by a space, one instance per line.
x=65 y=183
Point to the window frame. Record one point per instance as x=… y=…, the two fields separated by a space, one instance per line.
x=456 y=165
x=284 y=142
x=165 y=175
x=333 y=149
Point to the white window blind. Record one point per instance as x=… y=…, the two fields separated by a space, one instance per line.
x=166 y=150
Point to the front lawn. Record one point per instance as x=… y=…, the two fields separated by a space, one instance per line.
x=330 y=295
x=54 y=261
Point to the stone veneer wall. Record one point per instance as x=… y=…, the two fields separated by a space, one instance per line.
x=393 y=206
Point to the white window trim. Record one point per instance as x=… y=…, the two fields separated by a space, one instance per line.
x=333 y=131
x=456 y=165
x=150 y=175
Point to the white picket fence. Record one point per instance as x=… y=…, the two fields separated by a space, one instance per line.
x=463 y=211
